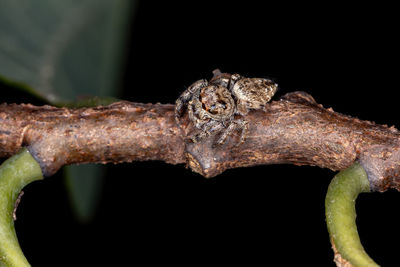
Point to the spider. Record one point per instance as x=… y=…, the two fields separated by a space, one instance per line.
x=212 y=105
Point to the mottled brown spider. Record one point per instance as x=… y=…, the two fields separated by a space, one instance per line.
x=212 y=105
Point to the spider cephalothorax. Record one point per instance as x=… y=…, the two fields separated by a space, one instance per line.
x=212 y=106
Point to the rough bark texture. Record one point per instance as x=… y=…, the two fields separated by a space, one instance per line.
x=294 y=129
x=121 y=132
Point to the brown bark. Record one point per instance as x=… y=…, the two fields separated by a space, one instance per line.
x=294 y=129
x=121 y=132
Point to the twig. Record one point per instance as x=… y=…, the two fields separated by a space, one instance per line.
x=294 y=129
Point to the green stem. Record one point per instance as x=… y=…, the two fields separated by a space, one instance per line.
x=15 y=173
x=341 y=214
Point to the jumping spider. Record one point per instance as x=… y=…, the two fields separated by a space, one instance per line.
x=212 y=105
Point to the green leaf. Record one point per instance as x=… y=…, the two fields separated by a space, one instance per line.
x=21 y=87
x=85 y=184
x=89 y=102
x=62 y=51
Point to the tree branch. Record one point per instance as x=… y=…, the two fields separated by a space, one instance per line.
x=121 y=132
x=294 y=129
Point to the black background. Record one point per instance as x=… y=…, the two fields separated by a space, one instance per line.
x=345 y=56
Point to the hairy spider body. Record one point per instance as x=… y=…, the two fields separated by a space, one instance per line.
x=251 y=93
x=212 y=106
x=186 y=96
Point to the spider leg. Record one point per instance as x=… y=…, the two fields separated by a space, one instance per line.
x=241 y=124
x=199 y=137
x=244 y=125
x=221 y=81
x=186 y=96
x=197 y=119
x=226 y=132
x=216 y=72
x=208 y=129
x=241 y=108
x=234 y=78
